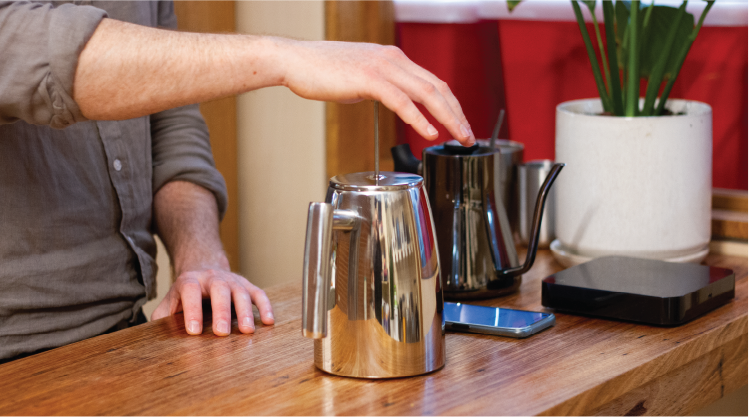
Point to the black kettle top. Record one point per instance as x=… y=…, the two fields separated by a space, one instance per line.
x=454 y=147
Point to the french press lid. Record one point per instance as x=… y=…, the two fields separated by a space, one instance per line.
x=365 y=181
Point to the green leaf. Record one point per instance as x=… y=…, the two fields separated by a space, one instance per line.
x=632 y=96
x=655 y=37
x=668 y=51
x=682 y=55
x=621 y=14
x=591 y=5
x=614 y=83
x=605 y=99
x=512 y=4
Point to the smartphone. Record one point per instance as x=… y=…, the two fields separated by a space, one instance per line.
x=470 y=318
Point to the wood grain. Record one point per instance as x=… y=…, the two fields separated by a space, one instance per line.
x=729 y=224
x=581 y=366
x=735 y=200
x=349 y=128
x=220 y=115
x=689 y=387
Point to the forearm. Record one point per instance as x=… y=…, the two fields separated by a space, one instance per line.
x=128 y=70
x=187 y=221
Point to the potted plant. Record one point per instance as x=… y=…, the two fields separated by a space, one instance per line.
x=639 y=166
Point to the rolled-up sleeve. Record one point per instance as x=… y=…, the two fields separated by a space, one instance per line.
x=39 y=49
x=181 y=151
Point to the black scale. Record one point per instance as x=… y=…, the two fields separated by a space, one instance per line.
x=640 y=290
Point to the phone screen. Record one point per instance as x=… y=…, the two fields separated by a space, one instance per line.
x=491 y=316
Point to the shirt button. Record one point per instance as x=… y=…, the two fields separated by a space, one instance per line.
x=117 y=165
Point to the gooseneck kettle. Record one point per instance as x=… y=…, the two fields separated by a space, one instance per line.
x=477 y=252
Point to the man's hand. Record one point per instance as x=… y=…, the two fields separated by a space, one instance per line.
x=222 y=287
x=187 y=220
x=349 y=72
x=128 y=71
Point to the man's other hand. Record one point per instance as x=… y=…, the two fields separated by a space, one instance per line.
x=222 y=287
x=187 y=221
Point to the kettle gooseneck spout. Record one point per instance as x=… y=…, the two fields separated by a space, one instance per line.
x=530 y=256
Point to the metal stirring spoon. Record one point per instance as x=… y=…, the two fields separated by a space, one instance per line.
x=495 y=134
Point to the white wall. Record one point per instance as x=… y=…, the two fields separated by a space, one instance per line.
x=281 y=152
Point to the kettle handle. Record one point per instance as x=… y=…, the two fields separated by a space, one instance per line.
x=530 y=255
x=404 y=159
x=321 y=220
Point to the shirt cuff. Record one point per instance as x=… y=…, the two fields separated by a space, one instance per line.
x=210 y=179
x=71 y=27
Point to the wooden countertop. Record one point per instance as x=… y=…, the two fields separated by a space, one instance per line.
x=580 y=366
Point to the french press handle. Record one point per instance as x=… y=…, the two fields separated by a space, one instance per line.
x=322 y=219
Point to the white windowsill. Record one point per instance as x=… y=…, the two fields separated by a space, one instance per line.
x=723 y=13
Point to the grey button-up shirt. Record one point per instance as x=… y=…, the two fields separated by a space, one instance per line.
x=76 y=245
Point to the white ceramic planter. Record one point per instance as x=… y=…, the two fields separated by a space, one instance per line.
x=633 y=186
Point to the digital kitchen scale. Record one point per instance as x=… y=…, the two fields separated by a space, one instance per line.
x=640 y=290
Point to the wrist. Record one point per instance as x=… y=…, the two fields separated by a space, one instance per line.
x=264 y=62
x=201 y=261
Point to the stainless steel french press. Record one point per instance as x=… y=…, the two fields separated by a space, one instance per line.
x=372 y=293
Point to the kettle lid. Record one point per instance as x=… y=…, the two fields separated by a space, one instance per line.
x=453 y=148
x=365 y=181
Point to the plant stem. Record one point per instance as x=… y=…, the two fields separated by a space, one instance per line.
x=656 y=75
x=633 y=73
x=605 y=99
x=614 y=82
x=648 y=13
x=604 y=59
x=681 y=58
x=625 y=62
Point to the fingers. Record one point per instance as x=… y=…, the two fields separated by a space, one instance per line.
x=397 y=101
x=397 y=55
x=243 y=306
x=222 y=287
x=192 y=302
x=411 y=82
x=261 y=300
x=220 y=293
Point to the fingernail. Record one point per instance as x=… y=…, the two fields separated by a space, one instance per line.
x=222 y=327
x=431 y=130
x=470 y=130
x=247 y=322
x=194 y=327
x=269 y=315
x=464 y=131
